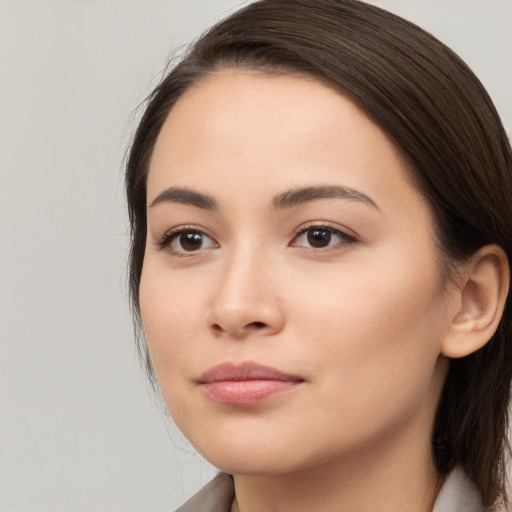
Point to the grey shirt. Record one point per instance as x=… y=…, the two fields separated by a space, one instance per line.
x=458 y=494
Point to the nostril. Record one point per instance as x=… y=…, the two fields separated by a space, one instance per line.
x=237 y=330
x=257 y=325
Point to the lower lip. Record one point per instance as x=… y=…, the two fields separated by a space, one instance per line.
x=247 y=392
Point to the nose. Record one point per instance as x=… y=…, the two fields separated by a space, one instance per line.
x=245 y=301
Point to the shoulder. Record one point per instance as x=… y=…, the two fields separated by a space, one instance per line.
x=498 y=506
x=215 y=496
x=459 y=493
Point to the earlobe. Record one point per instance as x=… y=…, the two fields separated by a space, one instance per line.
x=480 y=302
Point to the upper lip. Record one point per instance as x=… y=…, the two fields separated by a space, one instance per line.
x=245 y=371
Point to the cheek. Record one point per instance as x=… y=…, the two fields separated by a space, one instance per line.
x=170 y=316
x=377 y=334
x=170 y=313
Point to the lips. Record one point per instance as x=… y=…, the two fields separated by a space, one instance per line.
x=246 y=384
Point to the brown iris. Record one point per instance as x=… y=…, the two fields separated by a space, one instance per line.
x=319 y=238
x=191 y=241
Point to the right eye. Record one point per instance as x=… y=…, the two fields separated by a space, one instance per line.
x=185 y=241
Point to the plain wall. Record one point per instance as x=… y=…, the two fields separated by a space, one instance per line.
x=79 y=430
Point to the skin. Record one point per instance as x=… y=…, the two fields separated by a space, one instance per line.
x=362 y=320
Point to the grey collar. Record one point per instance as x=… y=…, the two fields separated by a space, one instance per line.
x=458 y=494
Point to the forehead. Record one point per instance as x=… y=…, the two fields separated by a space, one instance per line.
x=235 y=129
x=253 y=110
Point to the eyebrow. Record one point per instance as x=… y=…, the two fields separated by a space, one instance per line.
x=298 y=196
x=185 y=196
x=289 y=199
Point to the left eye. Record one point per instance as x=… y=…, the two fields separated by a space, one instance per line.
x=320 y=237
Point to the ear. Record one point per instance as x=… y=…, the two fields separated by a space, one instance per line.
x=480 y=301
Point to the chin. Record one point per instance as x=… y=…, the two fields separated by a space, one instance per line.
x=255 y=456
x=254 y=464
x=243 y=458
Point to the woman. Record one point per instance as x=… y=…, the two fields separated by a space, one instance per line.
x=319 y=195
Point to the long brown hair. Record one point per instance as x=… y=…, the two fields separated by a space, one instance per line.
x=438 y=113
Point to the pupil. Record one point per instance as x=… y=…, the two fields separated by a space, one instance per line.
x=191 y=241
x=319 y=238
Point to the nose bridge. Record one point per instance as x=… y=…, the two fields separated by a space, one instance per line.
x=245 y=299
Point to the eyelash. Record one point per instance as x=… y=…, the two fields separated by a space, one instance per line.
x=169 y=237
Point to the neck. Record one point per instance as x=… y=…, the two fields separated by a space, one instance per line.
x=387 y=478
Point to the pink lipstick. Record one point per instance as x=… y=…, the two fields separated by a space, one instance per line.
x=246 y=384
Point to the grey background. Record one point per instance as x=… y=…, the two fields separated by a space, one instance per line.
x=79 y=431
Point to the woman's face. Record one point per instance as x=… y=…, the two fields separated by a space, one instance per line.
x=290 y=294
